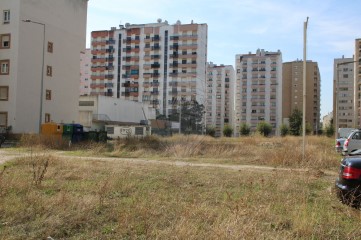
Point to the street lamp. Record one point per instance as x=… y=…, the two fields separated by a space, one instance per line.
x=337 y=92
x=42 y=72
x=304 y=87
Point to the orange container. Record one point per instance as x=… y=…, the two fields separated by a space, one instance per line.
x=51 y=128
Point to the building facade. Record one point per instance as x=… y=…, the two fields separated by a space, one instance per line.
x=357 y=85
x=97 y=111
x=292 y=91
x=39 y=60
x=220 y=93
x=258 y=90
x=85 y=72
x=157 y=63
x=343 y=89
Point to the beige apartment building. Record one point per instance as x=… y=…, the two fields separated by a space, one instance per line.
x=258 y=89
x=343 y=89
x=357 y=85
x=292 y=91
x=220 y=95
x=157 y=63
x=39 y=61
x=85 y=72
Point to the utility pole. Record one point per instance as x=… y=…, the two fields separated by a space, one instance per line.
x=180 y=115
x=304 y=87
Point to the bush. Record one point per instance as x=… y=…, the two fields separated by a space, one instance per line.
x=329 y=130
x=244 y=129
x=284 y=129
x=264 y=128
x=211 y=131
x=227 y=131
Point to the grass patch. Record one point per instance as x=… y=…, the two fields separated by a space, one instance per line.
x=78 y=199
x=43 y=195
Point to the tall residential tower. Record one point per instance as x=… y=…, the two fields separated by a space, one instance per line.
x=220 y=89
x=258 y=92
x=343 y=89
x=292 y=91
x=156 y=63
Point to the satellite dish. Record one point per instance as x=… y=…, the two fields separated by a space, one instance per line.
x=159 y=20
x=178 y=22
x=127 y=25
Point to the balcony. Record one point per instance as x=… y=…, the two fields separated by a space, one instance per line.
x=155 y=65
x=109 y=76
x=98 y=51
x=173 y=55
x=157 y=56
x=174 y=38
x=110 y=41
x=155 y=38
x=188 y=37
x=155 y=47
x=154 y=84
x=110 y=50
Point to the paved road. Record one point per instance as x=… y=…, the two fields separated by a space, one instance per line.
x=10 y=155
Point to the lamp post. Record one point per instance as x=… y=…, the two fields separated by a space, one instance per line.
x=304 y=87
x=42 y=72
x=337 y=92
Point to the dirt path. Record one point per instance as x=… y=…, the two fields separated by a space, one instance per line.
x=9 y=155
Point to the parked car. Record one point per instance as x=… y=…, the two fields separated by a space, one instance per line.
x=348 y=183
x=352 y=143
x=339 y=144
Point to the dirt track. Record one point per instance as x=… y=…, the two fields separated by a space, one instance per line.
x=10 y=155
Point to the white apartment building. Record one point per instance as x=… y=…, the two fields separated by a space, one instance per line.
x=85 y=72
x=258 y=92
x=39 y=60
x=156 y=63
x=220 y=89
x=343 y=88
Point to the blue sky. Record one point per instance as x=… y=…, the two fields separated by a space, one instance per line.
x=241 y=26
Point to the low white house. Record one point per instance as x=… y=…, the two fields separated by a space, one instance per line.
x=97 y=111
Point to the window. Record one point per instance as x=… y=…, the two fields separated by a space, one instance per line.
x=50 y=47
x=4 y=65
x=6 y=16
x=3 y=119
x=5 y=41
x=4 y=93
x=49 y=71
x=48 y=95
x=47 y=117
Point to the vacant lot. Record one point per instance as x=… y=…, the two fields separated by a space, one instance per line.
x=44 y=194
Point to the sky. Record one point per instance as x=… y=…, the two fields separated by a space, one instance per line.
x=242 y=26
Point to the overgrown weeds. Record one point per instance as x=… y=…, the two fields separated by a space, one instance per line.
x=78 y=199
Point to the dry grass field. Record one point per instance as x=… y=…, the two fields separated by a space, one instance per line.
x=44 y=194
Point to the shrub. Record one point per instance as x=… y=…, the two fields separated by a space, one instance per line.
x=284 y=129
x=264 y=128
x=227 y=131
x=244 y=129
x=211 y=131
x=329 y=130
